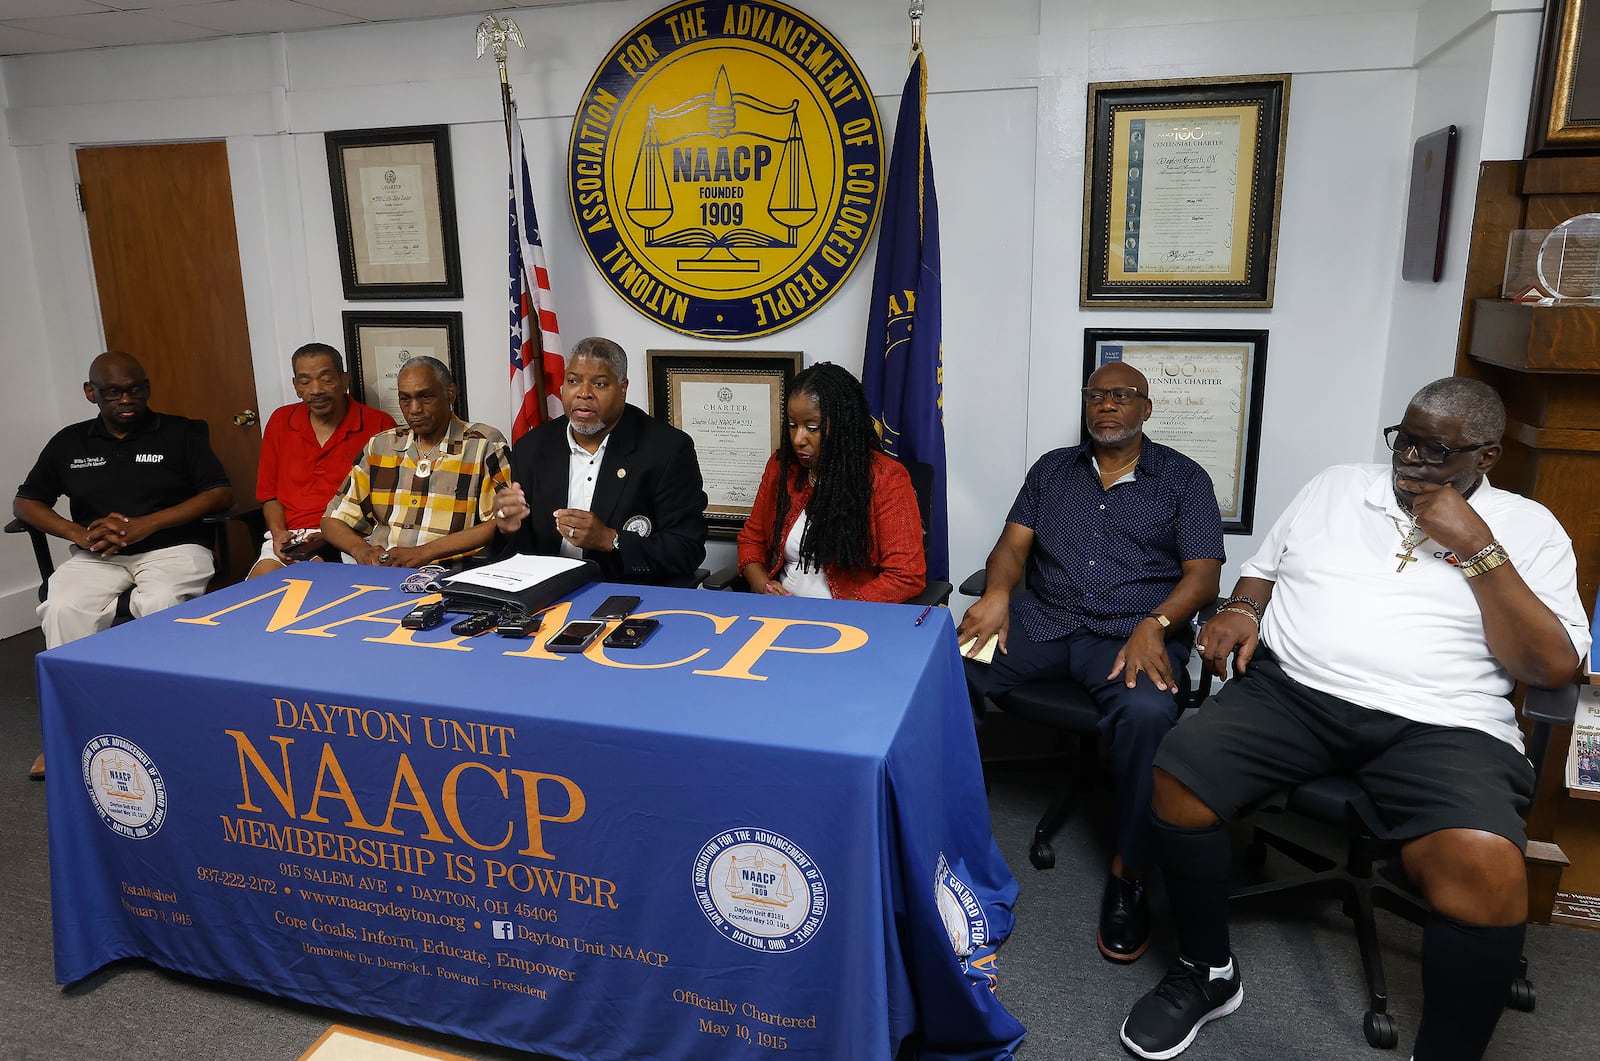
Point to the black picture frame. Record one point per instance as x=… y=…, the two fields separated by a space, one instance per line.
x=377 y=342
x=735 y=439
x=1189 y=174
x=1221 y=375
x=394 y=212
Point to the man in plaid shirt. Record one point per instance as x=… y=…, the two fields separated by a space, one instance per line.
x=422 y=493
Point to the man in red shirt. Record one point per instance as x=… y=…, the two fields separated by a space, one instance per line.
x=307 y=450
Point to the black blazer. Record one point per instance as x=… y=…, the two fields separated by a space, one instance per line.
x=650 y=473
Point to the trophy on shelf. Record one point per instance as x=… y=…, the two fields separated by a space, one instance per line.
x=1554 y=266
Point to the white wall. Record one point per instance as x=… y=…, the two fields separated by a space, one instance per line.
x=1006 y=117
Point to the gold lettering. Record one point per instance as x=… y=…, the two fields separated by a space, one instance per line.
x=764 y=641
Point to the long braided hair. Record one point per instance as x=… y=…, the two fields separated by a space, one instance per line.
x=839 y=520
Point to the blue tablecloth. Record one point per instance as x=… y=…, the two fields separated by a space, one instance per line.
x=764 y=831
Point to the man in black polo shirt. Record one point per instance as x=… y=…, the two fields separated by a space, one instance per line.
x=1121 y=541
x=137 y=483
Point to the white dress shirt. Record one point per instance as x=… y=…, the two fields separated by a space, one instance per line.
x=582 y=468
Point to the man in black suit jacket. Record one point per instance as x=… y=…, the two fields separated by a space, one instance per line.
x=606 y=482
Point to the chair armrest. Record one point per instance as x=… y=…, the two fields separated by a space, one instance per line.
x=1555 y=707
x=16 y=526
x=724 y=578
x=974 y=584
x=934 y=594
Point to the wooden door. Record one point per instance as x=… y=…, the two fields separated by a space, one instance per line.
x=166 y=265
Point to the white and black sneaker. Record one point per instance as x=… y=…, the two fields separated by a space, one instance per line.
x=1163 y=1023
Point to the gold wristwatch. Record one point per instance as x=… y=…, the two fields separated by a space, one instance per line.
x=1491 y=557
x=1162 y=619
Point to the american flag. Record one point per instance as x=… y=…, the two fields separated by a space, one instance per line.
x=535 y=338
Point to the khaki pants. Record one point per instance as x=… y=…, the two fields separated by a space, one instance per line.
x=83 y=591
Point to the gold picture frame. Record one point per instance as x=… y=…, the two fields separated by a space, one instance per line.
x=1565 y=114
x=731 y=403
x=1182 y=184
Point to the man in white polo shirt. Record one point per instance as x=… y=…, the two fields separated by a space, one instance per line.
x=1378 y=630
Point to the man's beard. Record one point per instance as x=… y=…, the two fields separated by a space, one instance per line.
x=590 y=429
x=1115 y=438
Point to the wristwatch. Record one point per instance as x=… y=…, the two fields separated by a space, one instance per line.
x=1162 y=619
x=616 y=542
x=1490 y=557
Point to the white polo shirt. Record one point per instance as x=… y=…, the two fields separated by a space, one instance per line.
x=1411 y=642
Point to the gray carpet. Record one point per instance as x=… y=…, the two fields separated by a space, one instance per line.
x=1303 y=992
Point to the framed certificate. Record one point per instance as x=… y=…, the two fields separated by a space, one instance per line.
x=1206 y=386
x=394 y=212
x=377 y=344
x=1566 y=88
x=1182 y=181
x=732 y=405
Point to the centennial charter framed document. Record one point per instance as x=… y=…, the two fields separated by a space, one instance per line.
x=1182 y=180
x=394 y=212
x=377 y=344
x=1206 y=386
x=732 y=405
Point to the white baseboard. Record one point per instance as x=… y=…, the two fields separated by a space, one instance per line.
x=18 y=610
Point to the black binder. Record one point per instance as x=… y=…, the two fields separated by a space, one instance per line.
x=473 y=596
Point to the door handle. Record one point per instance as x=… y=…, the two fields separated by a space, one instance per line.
x=245 y=418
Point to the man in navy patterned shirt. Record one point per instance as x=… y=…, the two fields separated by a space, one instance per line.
x=1120 y=538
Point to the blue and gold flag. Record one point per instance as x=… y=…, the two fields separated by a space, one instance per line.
x=903 y=370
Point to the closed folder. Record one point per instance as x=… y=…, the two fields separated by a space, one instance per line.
x=520 y=583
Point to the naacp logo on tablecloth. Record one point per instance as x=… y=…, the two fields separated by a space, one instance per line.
x=965 y=924
x=760 y=890
x=726 y=167
x=126 y=788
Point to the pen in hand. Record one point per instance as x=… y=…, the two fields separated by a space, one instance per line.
x=923 y=615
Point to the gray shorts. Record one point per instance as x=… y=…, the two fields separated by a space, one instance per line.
x=1267 y=732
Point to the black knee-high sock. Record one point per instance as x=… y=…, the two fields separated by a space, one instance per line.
x=1466 y=977
x=1195 y=865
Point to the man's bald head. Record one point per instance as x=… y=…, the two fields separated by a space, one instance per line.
x=118 y=385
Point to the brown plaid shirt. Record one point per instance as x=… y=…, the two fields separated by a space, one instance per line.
x=383 y=500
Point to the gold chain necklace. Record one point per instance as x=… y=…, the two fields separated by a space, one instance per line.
x=1114 y=472
x=425 y=464
x=1410 y=538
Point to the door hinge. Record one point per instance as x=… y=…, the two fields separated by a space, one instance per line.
x=78 y=191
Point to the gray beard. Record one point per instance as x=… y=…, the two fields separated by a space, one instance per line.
x=589 y=429
x=1116 y=438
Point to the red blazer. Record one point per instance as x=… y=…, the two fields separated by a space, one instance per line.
x=898 y=569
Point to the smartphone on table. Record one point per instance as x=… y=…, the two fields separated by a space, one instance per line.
x=619 y=607
x=576 y=635
x=631 y=633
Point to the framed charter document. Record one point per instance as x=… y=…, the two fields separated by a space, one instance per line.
x=394 y=212
x=377 y=344
x=1182 y=181
x=1565 y=115
x=732 y=404
x=1206 y=387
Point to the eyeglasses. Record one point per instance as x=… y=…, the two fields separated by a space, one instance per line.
x=114 y=394
x=1427 y=450
x=1120 y=395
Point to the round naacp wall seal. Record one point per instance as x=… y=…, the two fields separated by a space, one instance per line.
x=126 y=788
x=726 y=167
x=760 y=890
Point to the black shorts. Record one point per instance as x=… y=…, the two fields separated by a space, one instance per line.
x=1266 y=732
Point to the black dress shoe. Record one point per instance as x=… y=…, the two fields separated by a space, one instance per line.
x=1124 y=920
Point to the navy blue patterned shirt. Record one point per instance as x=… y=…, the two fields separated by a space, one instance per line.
x=1104 y=559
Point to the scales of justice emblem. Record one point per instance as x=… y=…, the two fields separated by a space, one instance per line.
x=723 y=143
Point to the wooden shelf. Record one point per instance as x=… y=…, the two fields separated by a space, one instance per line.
x=1526 y=338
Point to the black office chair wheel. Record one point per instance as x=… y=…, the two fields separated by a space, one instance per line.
x=1042 y=855
x=1380 y=1030
x=1522 y=995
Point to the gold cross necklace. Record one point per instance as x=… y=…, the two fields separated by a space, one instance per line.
x=1410 y=538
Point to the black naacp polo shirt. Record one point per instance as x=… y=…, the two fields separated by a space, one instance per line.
x=164 y=461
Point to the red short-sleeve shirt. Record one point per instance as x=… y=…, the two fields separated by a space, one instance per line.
x=302 y=474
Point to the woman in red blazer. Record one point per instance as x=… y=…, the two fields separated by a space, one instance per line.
x=835 y=516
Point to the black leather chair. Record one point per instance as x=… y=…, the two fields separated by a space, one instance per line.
x=936 y=593
x=1339 y=801
x=1067 y=709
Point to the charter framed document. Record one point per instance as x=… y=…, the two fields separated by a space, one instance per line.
x=1566 y=89
x=394 y=212
x=1182 y=181
x=732 y=405
x=1206 y=388
x=377 y=344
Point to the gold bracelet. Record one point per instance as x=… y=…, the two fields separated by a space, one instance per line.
x=1496 y=555
x=1241 y=611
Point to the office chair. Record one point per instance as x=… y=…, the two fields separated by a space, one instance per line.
x=1065 y=707
x=1339 y=801
x=935 y=593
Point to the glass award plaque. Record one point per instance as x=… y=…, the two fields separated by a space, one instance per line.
x=1569 y=260
x=1521 y=280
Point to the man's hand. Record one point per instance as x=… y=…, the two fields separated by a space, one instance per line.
x=510 y=508
x=1146 y=650
x=1228 y=633
x=990 y=614
x=582 y=528
x=105 y=534
x=1444 y=515
x=368 y=554
x=280 y=541
x=406 y=556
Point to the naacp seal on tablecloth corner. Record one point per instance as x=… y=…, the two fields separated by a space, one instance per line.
x=726 y=167
x=965 y=924
x=126 y=788
x=760 y=890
